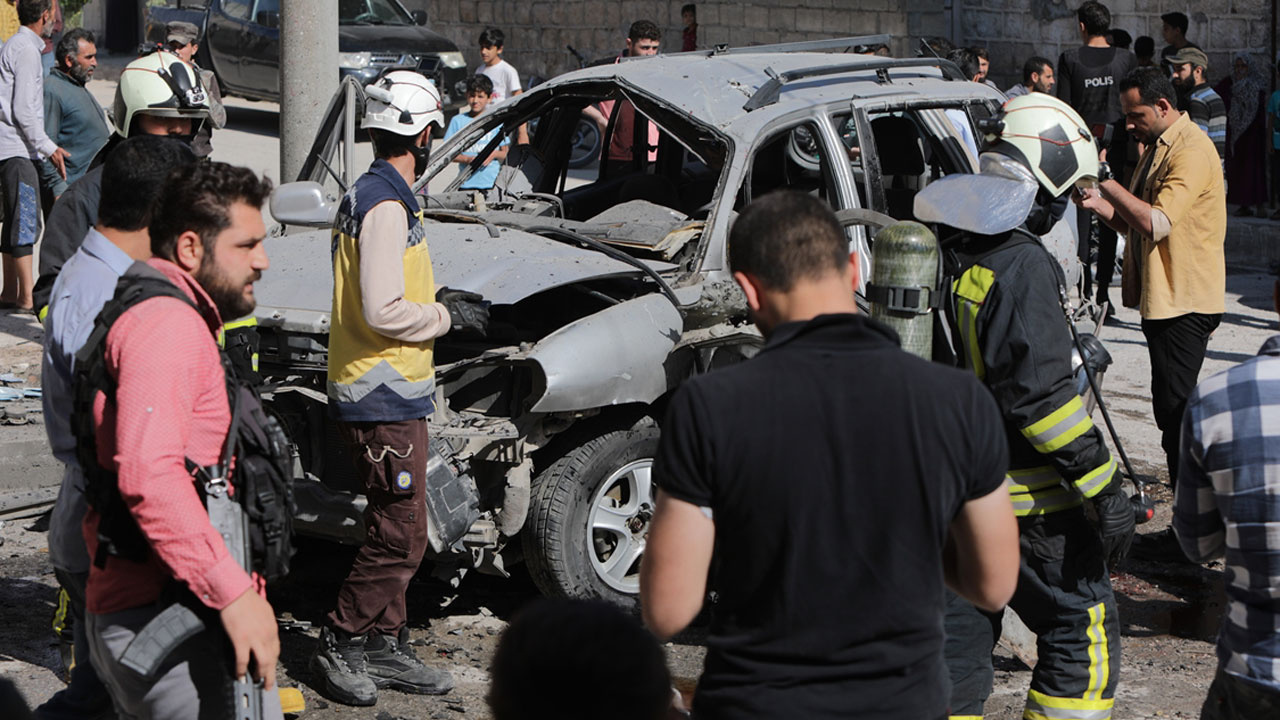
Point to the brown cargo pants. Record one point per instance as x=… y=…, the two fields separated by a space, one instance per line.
x=391 y=460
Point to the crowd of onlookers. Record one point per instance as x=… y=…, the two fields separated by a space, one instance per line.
x=1237 y=111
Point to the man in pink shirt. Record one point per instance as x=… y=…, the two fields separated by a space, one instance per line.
x=643 y=40
x=170 y=406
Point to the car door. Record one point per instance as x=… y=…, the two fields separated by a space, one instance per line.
x=261 y=48
x=223 y=36
x=808 y=155
x=905 y=146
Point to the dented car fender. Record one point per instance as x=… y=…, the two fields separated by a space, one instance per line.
x=613 y=357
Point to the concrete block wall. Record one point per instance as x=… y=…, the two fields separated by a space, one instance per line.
x=1013 y=30
x=538 y=30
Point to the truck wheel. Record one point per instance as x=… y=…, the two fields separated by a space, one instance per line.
x=589 y=517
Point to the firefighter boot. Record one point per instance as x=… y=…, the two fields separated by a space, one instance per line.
x=339 y=667
x=392 y=663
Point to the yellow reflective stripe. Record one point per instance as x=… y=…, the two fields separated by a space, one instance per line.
x=1046 y=707
x=60 y=615
x=1099 y=653
x=1032 y=479
x=1042 y=502
x=1097 y=479
x=243 y=322
x=975 y=283
x=1060 y=427
x=971 y=288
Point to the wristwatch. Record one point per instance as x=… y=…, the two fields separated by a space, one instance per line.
x=1104 y=172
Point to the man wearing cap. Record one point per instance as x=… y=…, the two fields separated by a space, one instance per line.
x=1190 y=68
x=183 y=39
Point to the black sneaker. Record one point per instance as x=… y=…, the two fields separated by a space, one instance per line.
x=338 y=666
x=393 y=664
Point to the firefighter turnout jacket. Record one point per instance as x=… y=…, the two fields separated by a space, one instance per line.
x=1010 y=330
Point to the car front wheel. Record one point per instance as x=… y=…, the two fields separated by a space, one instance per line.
x=589 y=518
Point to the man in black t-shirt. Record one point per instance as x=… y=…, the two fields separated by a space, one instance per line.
x=1088 y=81
x=839 y=480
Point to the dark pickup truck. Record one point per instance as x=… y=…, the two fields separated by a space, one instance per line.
x=241 y=43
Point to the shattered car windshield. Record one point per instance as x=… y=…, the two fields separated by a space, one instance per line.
x=652 y=172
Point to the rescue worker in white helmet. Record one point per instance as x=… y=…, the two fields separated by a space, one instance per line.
x=382 y=388
x=158 y=94
x=1009 y=327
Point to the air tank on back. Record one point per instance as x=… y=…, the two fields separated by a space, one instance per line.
x=903 y=287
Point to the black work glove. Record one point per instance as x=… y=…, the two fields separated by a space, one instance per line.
x=1115 y=521
x=467 y=310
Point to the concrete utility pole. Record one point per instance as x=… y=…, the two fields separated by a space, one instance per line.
x=308 y=76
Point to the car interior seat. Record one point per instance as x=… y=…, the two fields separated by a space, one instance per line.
x=521 y=171
x=902 y=162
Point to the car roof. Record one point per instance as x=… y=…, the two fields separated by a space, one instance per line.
x=714 y=88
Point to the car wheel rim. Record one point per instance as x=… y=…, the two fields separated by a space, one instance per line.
x=618 y=525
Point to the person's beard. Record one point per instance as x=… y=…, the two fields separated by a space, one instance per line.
x=79 y=73
x=227 y=295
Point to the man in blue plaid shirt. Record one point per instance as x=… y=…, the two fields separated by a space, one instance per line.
x=1228 y=502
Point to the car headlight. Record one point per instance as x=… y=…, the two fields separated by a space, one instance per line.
x=453 y=60
x=354 y=60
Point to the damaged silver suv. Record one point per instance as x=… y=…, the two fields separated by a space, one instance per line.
x=609 y=287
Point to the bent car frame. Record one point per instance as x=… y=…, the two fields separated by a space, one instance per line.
x=609 y=287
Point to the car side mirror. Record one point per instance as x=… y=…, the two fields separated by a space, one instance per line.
x=419 y=17
x=303 y=203
x=269 y=18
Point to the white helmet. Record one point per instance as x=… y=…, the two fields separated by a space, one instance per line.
x=403 y=102
x=1037 y=148
x=160 y=83
x=1044 y=134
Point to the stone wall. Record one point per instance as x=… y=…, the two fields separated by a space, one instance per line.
x=538 y=30
x=1014 y=30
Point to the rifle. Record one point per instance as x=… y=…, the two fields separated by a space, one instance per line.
x=175 y=624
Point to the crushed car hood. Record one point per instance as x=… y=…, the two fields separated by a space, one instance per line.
x=297 y=290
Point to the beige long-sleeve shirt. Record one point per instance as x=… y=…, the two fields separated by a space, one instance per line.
x=382 y=245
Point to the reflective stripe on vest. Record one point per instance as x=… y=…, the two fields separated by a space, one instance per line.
x=244 y=322
x=1046 y=707
x=373 y=377
x=1039 y=491
x=1059 y=427
x=970 y=290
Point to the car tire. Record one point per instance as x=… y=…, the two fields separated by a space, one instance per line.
x=589 y=515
